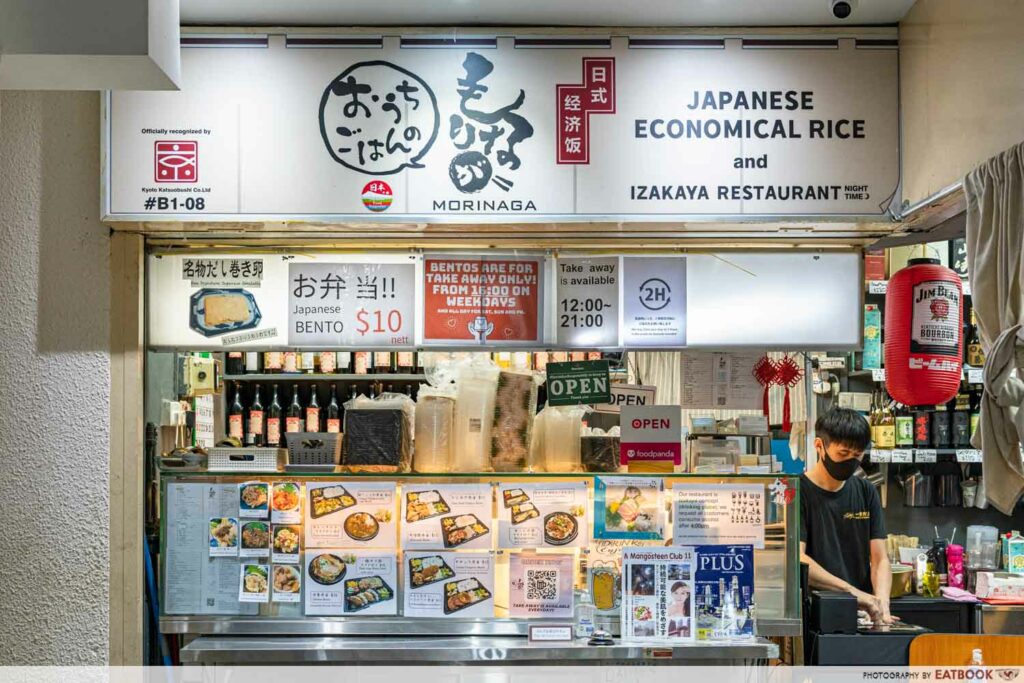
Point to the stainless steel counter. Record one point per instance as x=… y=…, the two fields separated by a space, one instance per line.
x=478 y=650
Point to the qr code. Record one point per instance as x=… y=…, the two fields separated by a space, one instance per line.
x=541 y=584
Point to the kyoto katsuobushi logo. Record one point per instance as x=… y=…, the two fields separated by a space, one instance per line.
x=378 y=118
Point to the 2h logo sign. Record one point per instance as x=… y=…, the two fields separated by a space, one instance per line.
x=577 y=102
x=176 y=161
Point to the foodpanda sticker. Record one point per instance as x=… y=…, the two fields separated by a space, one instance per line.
x=377 y=196
x=935 y=325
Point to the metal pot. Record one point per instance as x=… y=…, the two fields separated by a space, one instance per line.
x=917 y=489
x=902 y=581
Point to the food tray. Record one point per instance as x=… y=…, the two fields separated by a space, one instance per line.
x=374 y=588
x=224 y=459
x=419 y=564
x=422 y=505
x=307 y=450
x=524 y=512
x=326 y=500
x=514 y=497
x=468 y=591
x=234 y=323
x=550 y=522
x=471 y=528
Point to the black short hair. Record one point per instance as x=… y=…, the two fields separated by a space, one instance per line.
x=845 y=427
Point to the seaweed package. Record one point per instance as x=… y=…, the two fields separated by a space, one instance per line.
x=599 y=452
x=515 y=406
x=435 y=415
x=378 y=434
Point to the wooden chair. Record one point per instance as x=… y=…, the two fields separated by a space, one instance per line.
x=939 y=649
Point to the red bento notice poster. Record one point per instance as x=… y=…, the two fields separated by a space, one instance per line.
x=488 y=300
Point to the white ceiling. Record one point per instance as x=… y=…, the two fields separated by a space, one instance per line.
x=536 y=12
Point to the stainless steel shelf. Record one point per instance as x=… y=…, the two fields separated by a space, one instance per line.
x=482 y=650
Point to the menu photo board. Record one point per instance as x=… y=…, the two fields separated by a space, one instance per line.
x=448 y=584
x=343 y=582
x=483 y=299
x=447 y=517
x=542 y=515
x=342 y=514
x=629 y=508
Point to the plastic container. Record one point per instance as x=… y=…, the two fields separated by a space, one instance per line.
x=435 y=420
x=474 y=415
x=562 y=427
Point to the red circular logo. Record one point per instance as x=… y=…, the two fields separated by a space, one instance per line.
x=377 y=195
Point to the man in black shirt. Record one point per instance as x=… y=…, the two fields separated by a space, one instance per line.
x=842 y=531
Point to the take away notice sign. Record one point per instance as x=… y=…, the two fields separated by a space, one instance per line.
x=651 y=433
x=573 y=383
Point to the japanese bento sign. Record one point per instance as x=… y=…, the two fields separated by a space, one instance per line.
x=510 y=129
x=578 y=382
x=483 y=299
x=351 y=304
x=651 y=433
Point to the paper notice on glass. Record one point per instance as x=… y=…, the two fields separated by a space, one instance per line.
x=447 y=584
x=629 y=508
x=657 y=594
x=654 y=301
x=351 y=515
x=588 y=301
x=194 y=582
x=540 y=585
x=450 y=516
x=715 y=514
x=346 y=582
x=542 y=515
x=723 y=381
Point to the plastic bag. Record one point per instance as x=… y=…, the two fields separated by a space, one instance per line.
x=561 y=444
x=474 y=415
x=515 y=407
x=378 y=433
x=435 y=420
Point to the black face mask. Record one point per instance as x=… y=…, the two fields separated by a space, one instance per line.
x=840 y=470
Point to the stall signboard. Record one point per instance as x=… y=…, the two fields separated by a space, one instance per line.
x=651 y=433
x=654 y=296
x=587 y=301
x=351 y=304
x=209 y=301
x=578 y=382
x=510 y=128
x=479 y=299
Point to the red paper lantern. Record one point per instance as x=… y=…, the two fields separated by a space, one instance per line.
x=923 y=333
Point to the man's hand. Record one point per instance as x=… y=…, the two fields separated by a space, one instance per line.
x=870 y=604
x=886 y=618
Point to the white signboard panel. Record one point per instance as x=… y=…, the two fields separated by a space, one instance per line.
x=587 y=301
x=436 y=130
x=654 y=301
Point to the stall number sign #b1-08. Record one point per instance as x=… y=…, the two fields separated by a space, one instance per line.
x=651 y=433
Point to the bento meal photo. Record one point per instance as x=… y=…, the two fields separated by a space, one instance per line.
x=514 y=497
x=424 y=505
x=366 y=591
x=324 y=501
x=286 y=540
x=327 y=569
x=427 y=570
x=286 y=579
x=223 y=532
x=560 y=528
x=255 y=580
x=461 y=529
x=255 y=535
x=286 y=497
x=459 y=595
x=254 y=496
x=524 y=512
x=361 y=526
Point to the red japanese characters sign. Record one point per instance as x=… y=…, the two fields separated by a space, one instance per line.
x=577 y=102
x=484 y=299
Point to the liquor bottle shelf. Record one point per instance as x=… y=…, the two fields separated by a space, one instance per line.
x=319 y=377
